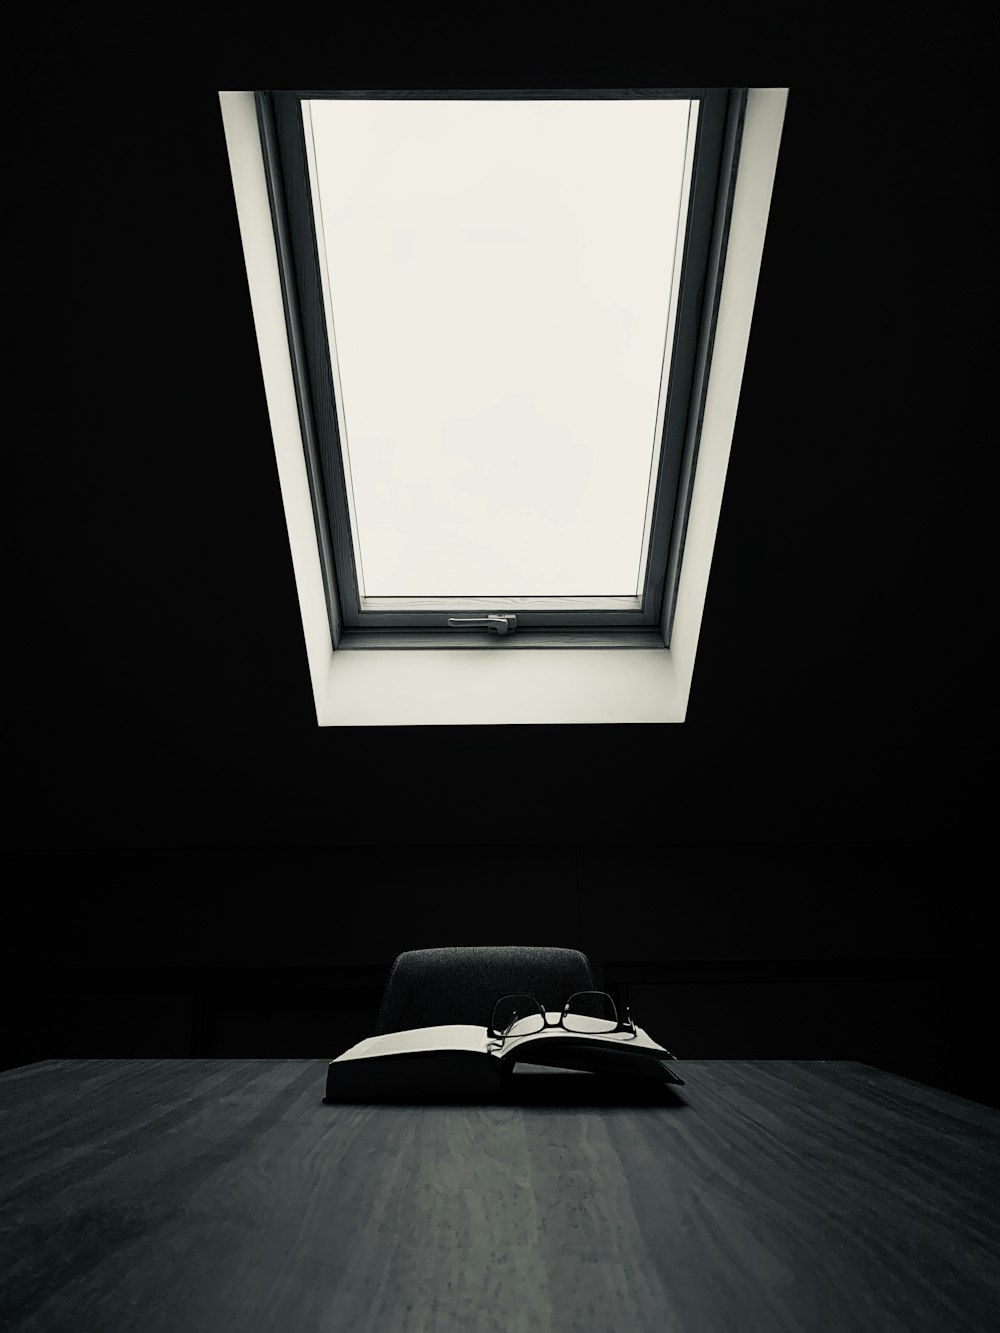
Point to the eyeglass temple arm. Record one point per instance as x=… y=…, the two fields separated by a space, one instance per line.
x=494 y=1032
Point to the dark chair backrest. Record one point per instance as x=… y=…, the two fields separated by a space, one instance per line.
x=427 y=987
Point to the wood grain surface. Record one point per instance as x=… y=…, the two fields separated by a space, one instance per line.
x=223 y=1195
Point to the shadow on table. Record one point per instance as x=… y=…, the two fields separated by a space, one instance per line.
x=535 y=1086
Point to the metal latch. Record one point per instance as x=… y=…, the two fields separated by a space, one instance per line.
x=494 y=624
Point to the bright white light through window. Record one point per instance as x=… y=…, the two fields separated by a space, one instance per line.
x=500 y=284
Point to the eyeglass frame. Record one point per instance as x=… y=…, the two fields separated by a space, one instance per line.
x=622 y=1025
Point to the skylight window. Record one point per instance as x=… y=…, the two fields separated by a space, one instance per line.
x=502 y=337
x=500 y=307
x=500 y=285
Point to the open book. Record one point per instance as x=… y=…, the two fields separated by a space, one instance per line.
x=460 y=1059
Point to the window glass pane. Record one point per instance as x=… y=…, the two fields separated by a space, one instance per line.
x=498 y=280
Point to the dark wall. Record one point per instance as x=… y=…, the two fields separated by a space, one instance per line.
x=830 y=951
x=163 y=697
x=825 y=800
x=339 y=906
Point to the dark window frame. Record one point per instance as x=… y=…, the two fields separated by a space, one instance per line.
x=714 y=168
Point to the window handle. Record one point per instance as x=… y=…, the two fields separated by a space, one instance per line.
x=494 y=624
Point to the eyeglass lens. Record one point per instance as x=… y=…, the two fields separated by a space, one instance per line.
x=590 y=1011
x=586 y=1011
x=517 y=1016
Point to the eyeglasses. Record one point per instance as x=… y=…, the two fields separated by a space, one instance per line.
x=589 y=1011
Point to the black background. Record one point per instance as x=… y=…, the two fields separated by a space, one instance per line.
x=174 y=811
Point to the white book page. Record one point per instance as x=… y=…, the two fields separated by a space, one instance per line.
x=468 y=1037
x=449 y=1037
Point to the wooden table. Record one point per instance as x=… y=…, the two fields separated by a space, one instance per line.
x=213 y=1195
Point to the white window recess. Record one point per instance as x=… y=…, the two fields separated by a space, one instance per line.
x=462 y=685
